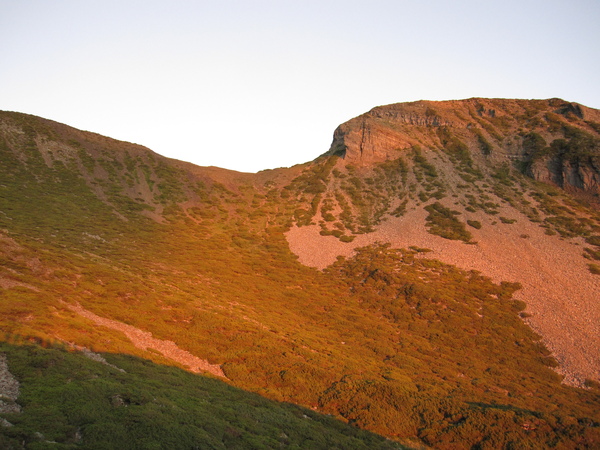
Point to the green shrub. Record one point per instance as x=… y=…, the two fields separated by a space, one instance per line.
x=442 y=221
x=592 y=254
x=593 y=240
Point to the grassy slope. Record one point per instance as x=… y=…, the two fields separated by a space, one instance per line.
x=70 y=401
x=387 y=340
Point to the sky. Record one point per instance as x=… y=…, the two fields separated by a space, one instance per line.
x=252 y=85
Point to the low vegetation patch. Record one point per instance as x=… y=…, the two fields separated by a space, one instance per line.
x=442 y=221
x=474 y=223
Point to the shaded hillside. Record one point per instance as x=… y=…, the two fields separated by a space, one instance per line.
x=81 y=400
x=103 y=242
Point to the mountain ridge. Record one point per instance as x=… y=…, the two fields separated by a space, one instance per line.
x=387 y=335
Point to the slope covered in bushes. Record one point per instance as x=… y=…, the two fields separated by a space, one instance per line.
x=386 y=339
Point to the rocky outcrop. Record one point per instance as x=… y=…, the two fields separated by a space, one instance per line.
x=384 y=132
x=495 y=131
x=9 y=391
x=368 y=142
x=566 y=174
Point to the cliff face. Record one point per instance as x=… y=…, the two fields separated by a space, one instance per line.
x=381 y=133
x=569 y=175
x=552 y=141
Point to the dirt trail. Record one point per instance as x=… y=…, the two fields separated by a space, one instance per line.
x=562 y=296
x=144 y=340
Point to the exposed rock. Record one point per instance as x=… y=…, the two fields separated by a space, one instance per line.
x=5 y=423
x=496 y=124
x=144 y=340
x=9 y=389
x=584 y=176
x=367 y=142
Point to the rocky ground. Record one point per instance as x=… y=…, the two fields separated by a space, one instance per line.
x=144 y=340
x=9 y=391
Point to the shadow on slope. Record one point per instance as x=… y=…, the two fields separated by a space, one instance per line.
x=71 y=401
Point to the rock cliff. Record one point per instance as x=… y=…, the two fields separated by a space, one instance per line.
x=552 y=141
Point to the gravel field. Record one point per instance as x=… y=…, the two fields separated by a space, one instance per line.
x=562 y=296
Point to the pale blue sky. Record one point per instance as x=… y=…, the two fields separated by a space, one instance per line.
x=251 y=85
